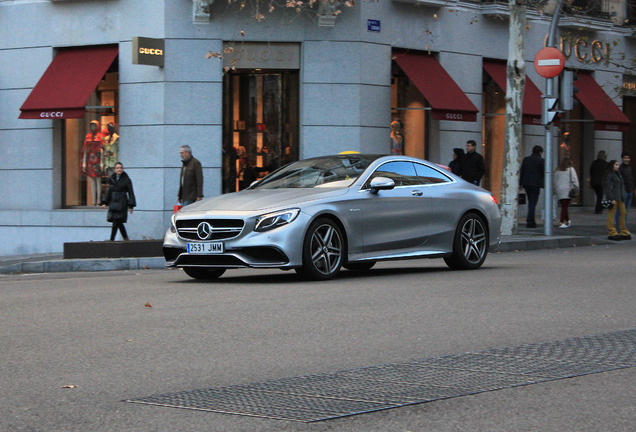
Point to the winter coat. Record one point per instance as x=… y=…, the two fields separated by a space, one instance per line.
x=614 y=187
x=532 y=171
x=191 y=180
x=598 y=172
x=473 y=167
x=562 y=181
x=626 y=174
x=119 y=197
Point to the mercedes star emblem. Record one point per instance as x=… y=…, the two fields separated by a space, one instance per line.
x=204 y=230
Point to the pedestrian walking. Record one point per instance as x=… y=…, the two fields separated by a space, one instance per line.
x=615 y=192
x=191 y=177
x=625 y=171
x=532 y=180
x=598 y=174
x=119 y=199
x=456 y=164
x=566 y=183
x=473 y=166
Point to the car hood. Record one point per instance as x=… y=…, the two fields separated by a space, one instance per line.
x=262 y=199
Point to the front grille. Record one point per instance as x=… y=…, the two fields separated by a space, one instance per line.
x=222 y=229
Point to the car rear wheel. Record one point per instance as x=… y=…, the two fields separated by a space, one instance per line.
x=470 y=245
x=323 y=251
x=203 y=273
x=359 y=266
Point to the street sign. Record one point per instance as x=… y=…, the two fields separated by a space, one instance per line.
x=549 y=62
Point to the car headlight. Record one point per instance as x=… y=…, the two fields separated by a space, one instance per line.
x=273 y=220
x=173 y=224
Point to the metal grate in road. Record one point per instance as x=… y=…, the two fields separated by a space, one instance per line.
x=355 y=391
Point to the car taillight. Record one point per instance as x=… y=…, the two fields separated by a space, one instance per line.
x=494 y=199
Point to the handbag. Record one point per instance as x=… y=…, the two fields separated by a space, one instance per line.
x=574 y=188
x=607 y=204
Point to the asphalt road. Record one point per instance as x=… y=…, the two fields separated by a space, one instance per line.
x=96 y=332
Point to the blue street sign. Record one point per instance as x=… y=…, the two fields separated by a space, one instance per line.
x=373 y=25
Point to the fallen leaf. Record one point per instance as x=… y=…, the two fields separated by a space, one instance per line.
x=148 y=305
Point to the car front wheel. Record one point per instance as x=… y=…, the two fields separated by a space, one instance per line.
x=203 y=273
x=470 y=245
x=323 y=251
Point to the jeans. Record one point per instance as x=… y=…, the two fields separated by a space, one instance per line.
x=598 y=190
x=620 y=215
x=185 y=203
x=532 y=192
x=565 y=215
x=628 y=203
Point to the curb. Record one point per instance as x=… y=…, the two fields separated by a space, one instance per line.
x=74 y=265
x=508 y=244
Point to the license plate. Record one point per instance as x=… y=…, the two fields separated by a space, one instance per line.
x=205 y=248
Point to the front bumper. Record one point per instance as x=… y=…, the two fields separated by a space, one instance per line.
x=278 y=248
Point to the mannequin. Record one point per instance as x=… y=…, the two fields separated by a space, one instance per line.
x=111 y=148
x=397 y=139
x=91 y=162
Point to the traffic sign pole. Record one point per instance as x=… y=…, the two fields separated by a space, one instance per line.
x=549 y=93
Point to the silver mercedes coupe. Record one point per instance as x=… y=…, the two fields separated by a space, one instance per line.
x=319 y=215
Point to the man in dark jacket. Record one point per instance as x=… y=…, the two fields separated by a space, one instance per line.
x=473 y=167
x=532 y=179
x=598 y=173
x=625 y=170
x=191 y=178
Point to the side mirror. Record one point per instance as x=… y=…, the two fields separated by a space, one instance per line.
x=381 y=183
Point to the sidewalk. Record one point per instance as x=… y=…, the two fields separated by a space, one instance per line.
x=587 y=229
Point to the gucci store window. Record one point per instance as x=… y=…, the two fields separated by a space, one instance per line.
x=260 y=125
x=91 y=146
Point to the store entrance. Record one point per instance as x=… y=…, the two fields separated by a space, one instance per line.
x=260 y=125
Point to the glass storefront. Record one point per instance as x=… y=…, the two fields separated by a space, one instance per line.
x=91 y=146
x=260 y=125
x=408 y=115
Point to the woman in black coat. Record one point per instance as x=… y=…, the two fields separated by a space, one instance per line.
x=119 y=198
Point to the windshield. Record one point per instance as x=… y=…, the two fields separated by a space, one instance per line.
x=320 y=172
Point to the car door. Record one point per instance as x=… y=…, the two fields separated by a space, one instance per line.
x=396 y=219
x=443 y=212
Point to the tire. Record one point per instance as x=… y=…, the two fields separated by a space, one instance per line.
x=323 y=251
x=470 y=245
x=359 y=266
x=202 y=273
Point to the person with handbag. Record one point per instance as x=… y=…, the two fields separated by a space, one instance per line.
x=119 y=199
x=615 y=193
x=566 y=187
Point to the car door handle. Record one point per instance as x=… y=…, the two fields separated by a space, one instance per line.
x=417 y=193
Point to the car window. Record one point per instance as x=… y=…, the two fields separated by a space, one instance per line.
x=322 y=172
x=401 y=172
x=428 y=175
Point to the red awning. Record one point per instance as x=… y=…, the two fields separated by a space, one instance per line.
x=607 y=115
x=447 y=100
x=531 y=95
x=70 y=79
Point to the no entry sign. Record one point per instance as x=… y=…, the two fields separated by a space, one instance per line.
x=549 y=62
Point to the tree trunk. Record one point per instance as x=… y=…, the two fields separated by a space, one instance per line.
x=516 y=80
